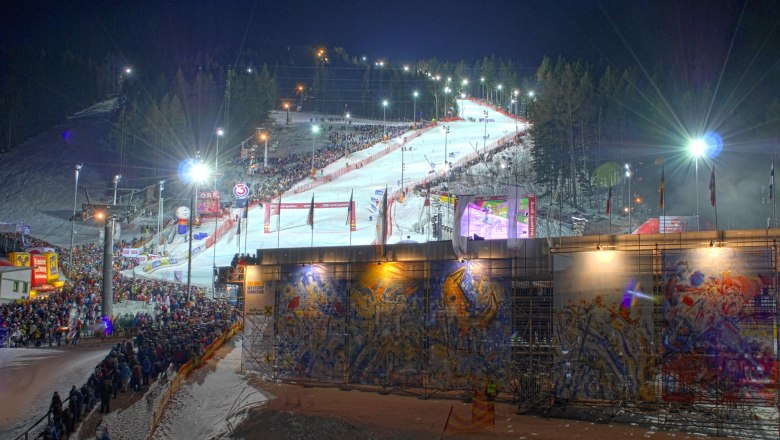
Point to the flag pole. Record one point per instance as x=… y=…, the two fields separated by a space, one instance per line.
x=279 y=221
x=238 y=233
x=350 y=213
x=609 y=208
x=311 y=219
x=713 y=196
x=772 y=192
x=663 y=199
x=246 y=226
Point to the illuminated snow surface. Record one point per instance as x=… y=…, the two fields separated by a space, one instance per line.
x=330 y=228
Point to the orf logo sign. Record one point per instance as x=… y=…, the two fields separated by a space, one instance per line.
x=240 y=190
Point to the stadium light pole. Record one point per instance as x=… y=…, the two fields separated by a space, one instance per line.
x=197 y=173
x=73 y=220
x=117 y=178
x=482 y=83
x=414 y=107
x=264 y=138
x=627 y=168
x=220 y=133
x=314 y=130
x=697 y=148
x=346 y=124
x=498 y=95
x=436 y=104
x=446 y=132
x=484 y=137
x=446 y=91
x=160 y=217
x=384 y=120
x=514 y=101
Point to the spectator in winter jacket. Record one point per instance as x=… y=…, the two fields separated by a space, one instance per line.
x=147 y=370
x=124 y=372
x=105 y=395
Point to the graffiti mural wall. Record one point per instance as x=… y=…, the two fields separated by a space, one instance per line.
x=719 y=337
x=470 y=322
x=603 y=327
x=311 y=321
x=387 y=318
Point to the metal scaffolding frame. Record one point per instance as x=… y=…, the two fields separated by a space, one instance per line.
x=532 y=346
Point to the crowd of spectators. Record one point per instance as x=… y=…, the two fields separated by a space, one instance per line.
x=184 y=323
x=182 y=326
x=283 y=172
x=164 y=343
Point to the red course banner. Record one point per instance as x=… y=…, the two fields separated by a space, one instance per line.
x=273 y=209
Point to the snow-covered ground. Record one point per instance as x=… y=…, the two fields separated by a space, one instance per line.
x=212 y=401
x=29 y=376
x=209 y=404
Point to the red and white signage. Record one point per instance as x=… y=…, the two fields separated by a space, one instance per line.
x=241 y=190
x=131 y=252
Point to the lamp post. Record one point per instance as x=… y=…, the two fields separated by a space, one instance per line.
x=300 y=92
x=484 y=136
x=627 y=168
x=482 y=83
x=384 y=120
x=463 y=95
x=436 y=104
x=414 y=107
x=198 y=173
x=446 y=91
x=72 y=221
x=446 y=132
x=264 y=138
x=287 y=107
x=346 y=144
x=498 y=94
x=220 y=133
x=160 y=216
x=314 y=130
x=697 y=148
x=403 y=147
x=514 y=101
x=117 y=178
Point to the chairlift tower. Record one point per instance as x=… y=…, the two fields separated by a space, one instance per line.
x=108 y=213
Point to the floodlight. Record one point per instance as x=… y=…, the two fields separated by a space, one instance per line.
x=697 y=147
x=199 y=172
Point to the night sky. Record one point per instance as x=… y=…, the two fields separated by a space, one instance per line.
x=617 y=32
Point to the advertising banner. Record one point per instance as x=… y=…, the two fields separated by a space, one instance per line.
x=39 y=274
x=208 y=202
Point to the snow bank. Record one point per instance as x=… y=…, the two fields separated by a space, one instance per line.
x=212 y=401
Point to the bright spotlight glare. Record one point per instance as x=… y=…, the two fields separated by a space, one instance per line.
x=199 y=172
x=697 y=147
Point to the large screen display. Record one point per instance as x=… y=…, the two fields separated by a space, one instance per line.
x=489 y=217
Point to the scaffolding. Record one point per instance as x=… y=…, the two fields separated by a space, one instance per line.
x=348 y=317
